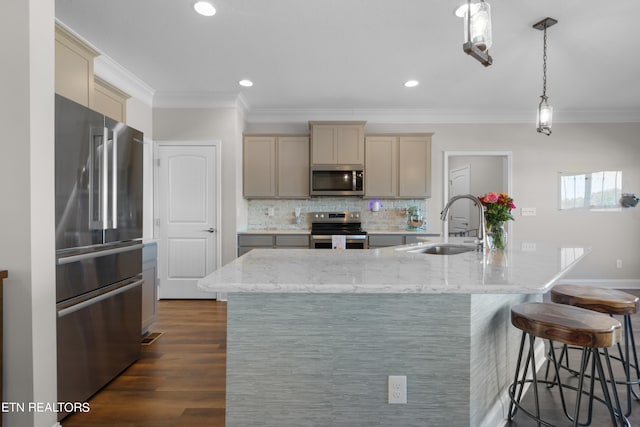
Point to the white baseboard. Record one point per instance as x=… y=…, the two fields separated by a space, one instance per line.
x=605 y=283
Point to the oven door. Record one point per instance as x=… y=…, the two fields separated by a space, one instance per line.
x=324 y=241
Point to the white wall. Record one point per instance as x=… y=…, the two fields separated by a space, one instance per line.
x=537 y=159
x=223 y=124
x=27 y=246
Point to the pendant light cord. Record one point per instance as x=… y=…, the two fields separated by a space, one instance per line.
x=544 y=65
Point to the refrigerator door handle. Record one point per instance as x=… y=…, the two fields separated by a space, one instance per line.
x=104 y=181
x=114 y=180
x=89 y=255
x=102 y=297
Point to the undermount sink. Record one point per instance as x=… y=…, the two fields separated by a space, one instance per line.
x=444 y=249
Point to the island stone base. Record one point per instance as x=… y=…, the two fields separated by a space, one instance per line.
x=323 y=359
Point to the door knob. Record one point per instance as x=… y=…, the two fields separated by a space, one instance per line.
x=210 y=230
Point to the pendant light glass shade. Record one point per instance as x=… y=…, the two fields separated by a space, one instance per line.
x=477 y=25
x=477 y=30
x=545 y=117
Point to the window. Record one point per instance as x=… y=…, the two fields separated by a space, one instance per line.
x=591 y=190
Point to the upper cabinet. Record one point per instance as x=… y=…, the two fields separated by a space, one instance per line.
x=74 y=78
x=109 y=100
x=337 y=143
x=74 y=68
x=398 y=166
x=276 y=166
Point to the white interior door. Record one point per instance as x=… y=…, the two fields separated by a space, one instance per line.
x=459 y=213
x=187 y=221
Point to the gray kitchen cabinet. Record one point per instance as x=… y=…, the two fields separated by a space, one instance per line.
x=398 y=166
x=337 y=143
x=149 y=287
x=276 y=166
x=385 y=240
x=248 y=241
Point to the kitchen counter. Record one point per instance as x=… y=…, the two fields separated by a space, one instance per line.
x=275 y=231
x=393 y=271
x=312 y=335
x=308 y=231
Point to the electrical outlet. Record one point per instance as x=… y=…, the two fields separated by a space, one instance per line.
x=618 y=263
x=527 y=211
x=397 y=389
x=270 y=212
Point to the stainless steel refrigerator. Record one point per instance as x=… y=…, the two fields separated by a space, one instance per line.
x=98 y=181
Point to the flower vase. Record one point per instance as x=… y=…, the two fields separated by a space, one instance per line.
x=496 y=236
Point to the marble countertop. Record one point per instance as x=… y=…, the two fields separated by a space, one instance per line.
x=532 y=268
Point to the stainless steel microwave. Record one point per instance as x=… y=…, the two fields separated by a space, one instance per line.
x=337 y=180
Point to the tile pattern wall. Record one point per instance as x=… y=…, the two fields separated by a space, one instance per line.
x=392 y=216
x=323 y=360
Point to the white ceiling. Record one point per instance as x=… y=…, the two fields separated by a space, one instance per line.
x=353 y=56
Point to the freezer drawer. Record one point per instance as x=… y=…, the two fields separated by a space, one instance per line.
x=98 y=338
x=78 y=273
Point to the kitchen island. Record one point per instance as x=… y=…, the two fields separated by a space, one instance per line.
x=312 y=335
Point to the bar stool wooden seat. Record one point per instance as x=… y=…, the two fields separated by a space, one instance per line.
x=612 y=302
x=593 y=332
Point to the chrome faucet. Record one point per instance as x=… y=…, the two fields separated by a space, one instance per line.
x=481 y=240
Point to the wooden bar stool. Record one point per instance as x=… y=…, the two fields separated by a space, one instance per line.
x=575 y=326
x=612 y=302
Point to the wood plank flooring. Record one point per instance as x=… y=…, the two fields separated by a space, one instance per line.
x=180 y=379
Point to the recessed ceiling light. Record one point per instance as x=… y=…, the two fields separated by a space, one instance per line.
x=204 y=8
x=245 y=83
x=411 y=83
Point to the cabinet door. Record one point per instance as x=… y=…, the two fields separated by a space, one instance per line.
x=381 y=170
x=414 y=168
x=293 y=166
x=109 y=100
x=259 y=166
x=384 y=240
x=73 y=68
x=324 y=140
x=350 y=144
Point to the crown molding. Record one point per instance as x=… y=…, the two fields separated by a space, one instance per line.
x=169 y=99
x=434 y=116
x=115 y=74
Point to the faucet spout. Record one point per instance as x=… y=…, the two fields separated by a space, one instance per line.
x=482 y=232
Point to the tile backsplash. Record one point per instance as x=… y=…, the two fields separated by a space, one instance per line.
x=280 y=214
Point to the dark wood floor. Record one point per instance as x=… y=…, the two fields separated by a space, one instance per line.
x=180 y=379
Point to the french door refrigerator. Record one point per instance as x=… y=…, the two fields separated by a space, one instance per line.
x=98 y=181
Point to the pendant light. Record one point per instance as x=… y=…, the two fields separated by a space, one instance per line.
x=477 y=30
x=545 y=111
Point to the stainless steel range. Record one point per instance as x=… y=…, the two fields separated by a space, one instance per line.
x=329 y=229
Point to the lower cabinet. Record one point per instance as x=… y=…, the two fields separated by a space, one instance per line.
x=385 y=240
x=246 y=242
x=149 y=287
